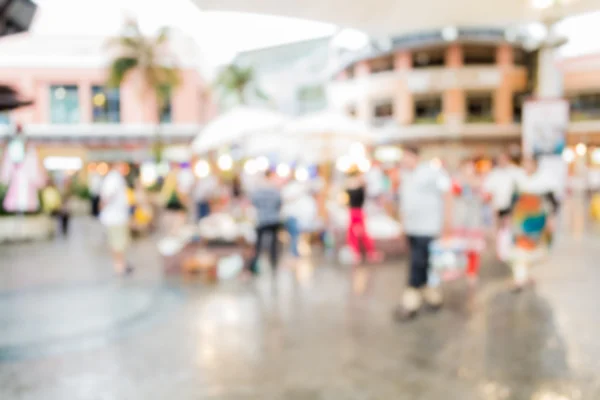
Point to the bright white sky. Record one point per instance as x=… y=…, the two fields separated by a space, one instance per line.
x=221 y=35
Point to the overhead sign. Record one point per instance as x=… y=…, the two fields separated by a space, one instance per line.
x=545 y=124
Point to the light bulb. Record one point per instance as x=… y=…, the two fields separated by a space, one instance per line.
x=301 y=174
x=581 y=149
x=202 y=169
x=225 y=162
x=283 y=170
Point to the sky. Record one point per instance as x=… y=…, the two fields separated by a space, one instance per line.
x=220 y=35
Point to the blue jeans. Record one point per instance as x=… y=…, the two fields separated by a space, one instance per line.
x=293 y=228
x=202 y=209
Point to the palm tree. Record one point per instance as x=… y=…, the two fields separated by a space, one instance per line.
x=151 y=58
x=237 y=81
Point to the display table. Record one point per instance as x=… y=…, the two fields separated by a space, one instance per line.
x=16 y=228
x=174 y=264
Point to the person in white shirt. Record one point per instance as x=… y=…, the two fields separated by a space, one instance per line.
x=294 y=196
x=114 y=216
x=500 y=185
x=425 y=207
x=375 y=180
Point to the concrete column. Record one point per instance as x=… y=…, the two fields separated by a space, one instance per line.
x=84 y=89
x=403 y=99
x=549 y=78
x=454 y=56
x=454 y=104
x=505 y=56
x=453 y=100
x=503 y=95
x=42 y=103
x=503 y=102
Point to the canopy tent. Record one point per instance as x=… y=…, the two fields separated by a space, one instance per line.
x=314 y=138
x=391 y=17
x=236 y=125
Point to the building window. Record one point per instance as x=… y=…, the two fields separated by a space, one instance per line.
x=434 y=57
x=428 y=110
x=64 y=104
x=167 y=110
x=311 y=98
x=521 y=57
x=106 y=105
x=383 y=111
x=585 y=106
x=479 y=55
x=480 y=108
x=518 y=101
x=382 y=64
x=4 y=118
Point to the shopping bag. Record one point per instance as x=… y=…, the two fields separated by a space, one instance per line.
x=447 y=259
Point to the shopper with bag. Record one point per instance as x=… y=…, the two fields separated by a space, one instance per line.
x=500 y=187
x=533 y=216
x=468 y=213
x=425 y=207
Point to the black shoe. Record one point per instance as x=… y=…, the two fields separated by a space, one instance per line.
x=403 y=315
x=128 y=270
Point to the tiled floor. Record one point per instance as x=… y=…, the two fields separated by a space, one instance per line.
x=69 y=330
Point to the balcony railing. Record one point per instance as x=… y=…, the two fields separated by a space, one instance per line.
x=429 y=120
x=479 y=119
x=585 y=116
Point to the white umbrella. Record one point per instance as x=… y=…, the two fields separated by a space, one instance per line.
x=235 y=126
x=324 y=136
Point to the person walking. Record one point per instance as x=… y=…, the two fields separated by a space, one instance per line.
x=114 y=215
x=500 y=186
x=95 y=185
x=357 y=229
x=533 y=221
x=425 y=207
x=293 y=193
x=469 y=216
x=268 y=202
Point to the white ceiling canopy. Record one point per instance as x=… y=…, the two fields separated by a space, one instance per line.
x=392 y=17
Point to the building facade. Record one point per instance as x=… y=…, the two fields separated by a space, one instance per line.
x=465 y=89
x=73 y=111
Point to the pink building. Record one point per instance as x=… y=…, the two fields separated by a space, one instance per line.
x=73 y=112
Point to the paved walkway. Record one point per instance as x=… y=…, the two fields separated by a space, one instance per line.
x=70 y=330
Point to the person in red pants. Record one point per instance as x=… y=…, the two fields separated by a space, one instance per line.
x=357 y=231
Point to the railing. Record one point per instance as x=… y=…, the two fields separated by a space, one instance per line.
x=75 y=131
x=480 y=119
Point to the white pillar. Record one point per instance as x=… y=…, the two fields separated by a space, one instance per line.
x=549 y=85
x=549 y=78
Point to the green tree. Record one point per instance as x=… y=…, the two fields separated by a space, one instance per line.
x=238 y=81
x=152 y=59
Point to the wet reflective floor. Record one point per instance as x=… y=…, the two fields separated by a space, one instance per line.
x=69 y=329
